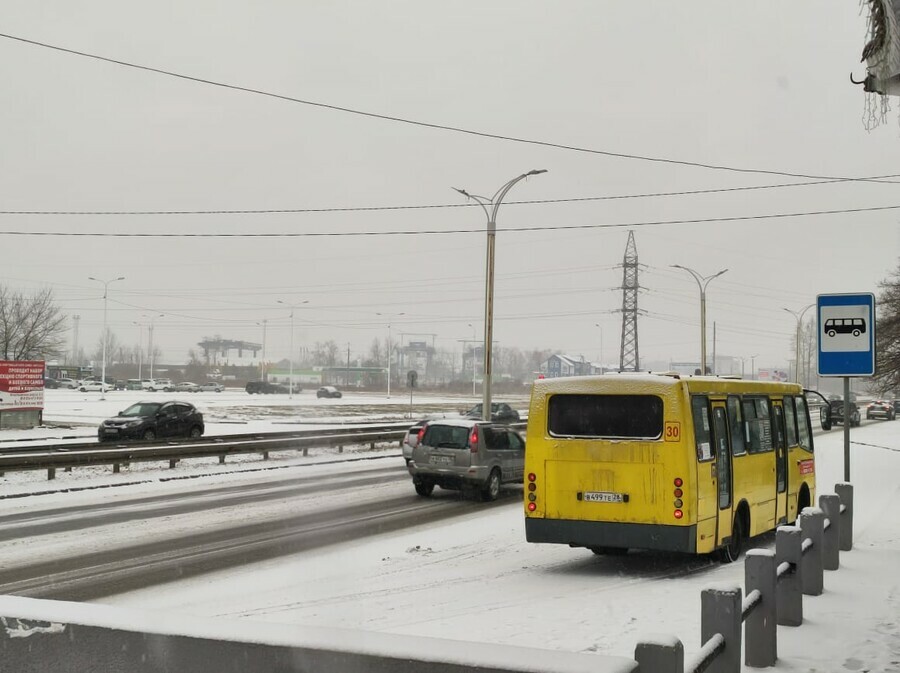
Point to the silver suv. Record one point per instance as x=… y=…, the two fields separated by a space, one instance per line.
x=467 y=454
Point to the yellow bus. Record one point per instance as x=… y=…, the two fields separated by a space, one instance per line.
x=663 y=461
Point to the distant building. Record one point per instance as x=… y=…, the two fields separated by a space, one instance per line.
x=218 y=352
x=569 y=365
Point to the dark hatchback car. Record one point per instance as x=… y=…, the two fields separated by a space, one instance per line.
x=500 y=413
x=152 y=420
x=267 y=388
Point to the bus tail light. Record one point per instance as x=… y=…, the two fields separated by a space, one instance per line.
x=532 y=495
x=473 y=440
x=678 y=493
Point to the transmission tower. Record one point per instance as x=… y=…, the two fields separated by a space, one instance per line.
x=628 y=354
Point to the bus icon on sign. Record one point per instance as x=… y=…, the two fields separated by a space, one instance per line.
x=854 y=326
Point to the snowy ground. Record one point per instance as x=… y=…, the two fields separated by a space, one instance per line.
x=475 y=579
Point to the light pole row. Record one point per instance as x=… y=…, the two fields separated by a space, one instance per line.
x=105 y=284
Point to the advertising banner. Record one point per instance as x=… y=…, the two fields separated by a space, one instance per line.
x=21 y=385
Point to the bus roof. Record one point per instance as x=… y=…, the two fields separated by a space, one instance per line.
x=662 y=382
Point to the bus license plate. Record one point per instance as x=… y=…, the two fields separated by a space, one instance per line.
x=442 y=460
x=603 y=496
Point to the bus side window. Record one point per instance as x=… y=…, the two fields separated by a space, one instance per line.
x=803 y=428
x=790 y=420
x=736 y=425
x=700 y=412
x=759 y=429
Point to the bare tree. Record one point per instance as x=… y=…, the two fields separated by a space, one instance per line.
x=112 y=347
x=31 y=326
x=887 y=335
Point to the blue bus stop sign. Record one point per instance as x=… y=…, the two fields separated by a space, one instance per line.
x=846 y=334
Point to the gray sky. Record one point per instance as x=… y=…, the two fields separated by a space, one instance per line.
x=761 y=85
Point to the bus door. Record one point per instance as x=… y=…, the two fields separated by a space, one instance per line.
x=781 y=463
x=723 y=472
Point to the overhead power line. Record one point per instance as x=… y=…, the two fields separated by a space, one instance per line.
x=431 y=232
x=431 y=125
x=355 y=209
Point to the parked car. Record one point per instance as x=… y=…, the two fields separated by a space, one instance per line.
x=94 y=386
x=835 y=414
x=467 y=454
x=410 y=440
x=158 y=384
x=69 y=384
x=50 y=384
x=500 y=413
x=183 y=387
x=880 y=409
x=328 y=391
x=134 y=384
x=211 y=386
x=267 y=388
x=153 y=420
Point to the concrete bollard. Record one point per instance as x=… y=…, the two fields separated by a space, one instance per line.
x=116 y=468
x=660 y=654
x=760 y=627
x=831 y=536
x=51 y=473
x=305 y=452
x=812 y=523
x=845 y=493
x=720 y=612
x=172 y=464
x=265 y=455
x=222 y=460
x=789 y=604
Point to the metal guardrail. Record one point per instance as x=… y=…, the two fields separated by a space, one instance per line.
x=68 y=456
x=57 y=457
x=775 y=581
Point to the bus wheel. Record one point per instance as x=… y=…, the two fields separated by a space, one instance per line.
x=732 y=551
x=610 y=551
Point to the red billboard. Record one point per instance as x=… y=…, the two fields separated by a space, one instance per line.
x=21 y=385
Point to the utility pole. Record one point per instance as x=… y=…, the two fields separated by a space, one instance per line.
x=347 y=378
x=75 y=319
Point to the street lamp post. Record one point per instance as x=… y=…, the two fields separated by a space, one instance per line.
x=291 y=358
x=105 y=295
x=390 y=317
x=150 y=341
x=799 y=316
x=602 y=368
x=262 y=361
x=140 y=349
x=702 y=282
x=474 y=344
x=491 y=215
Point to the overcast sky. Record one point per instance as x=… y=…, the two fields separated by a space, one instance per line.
x=752 y=86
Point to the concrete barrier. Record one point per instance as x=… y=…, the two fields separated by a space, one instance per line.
x=41 y=636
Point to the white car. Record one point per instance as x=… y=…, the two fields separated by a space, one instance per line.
x=211 y=386
x=68 y=384
x=94 y=386
x=158 y=384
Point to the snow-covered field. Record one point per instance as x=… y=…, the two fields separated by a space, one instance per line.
x=475 y=579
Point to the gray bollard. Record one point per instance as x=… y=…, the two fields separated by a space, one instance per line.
x=222 y=459
x=173 y=463
x=720 y=612
x=789 y=604
x=812 y=522
x=115 y=468
x=660 y=654
x=831 y=552
x=760 y=627
x=845 y=493
x=51 y=473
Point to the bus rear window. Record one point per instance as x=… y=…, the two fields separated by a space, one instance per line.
x=608 y=416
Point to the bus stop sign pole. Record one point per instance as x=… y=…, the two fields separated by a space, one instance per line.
x=846 y=339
